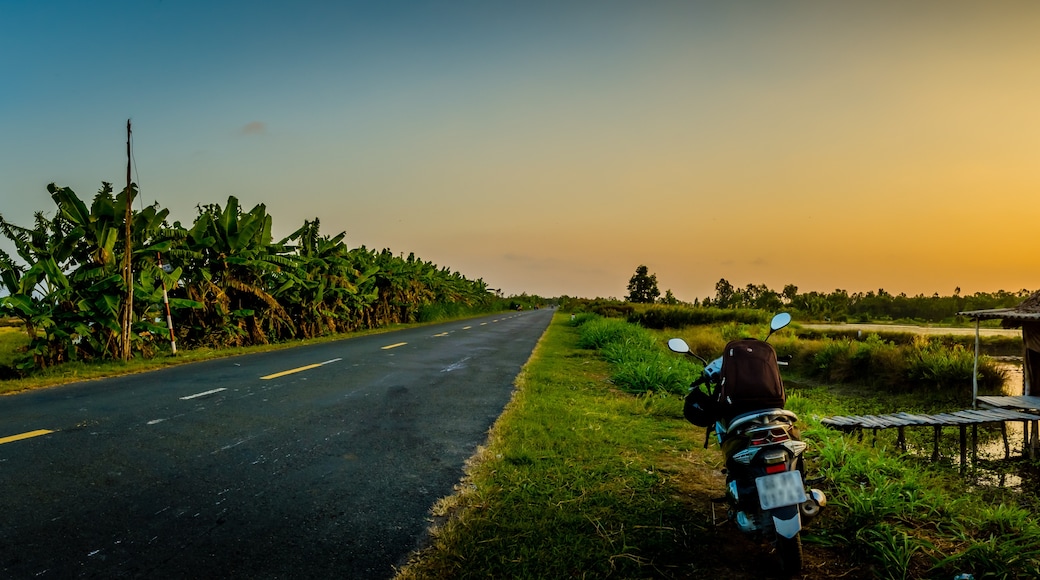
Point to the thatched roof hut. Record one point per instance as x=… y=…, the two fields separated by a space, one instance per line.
x=1027 y=316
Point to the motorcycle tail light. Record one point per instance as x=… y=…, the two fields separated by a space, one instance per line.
x=774 y=435
x=778 y=468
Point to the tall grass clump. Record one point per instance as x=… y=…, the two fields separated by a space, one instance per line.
x=597 y=333
x=922 y=365
x=639 y=364
x=940 y=368
x=581 y=318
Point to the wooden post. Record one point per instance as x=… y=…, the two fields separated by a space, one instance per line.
x=974 y=445
x=1033 y=441
x=1003 y=435
x=126 y=316
x=935 y=448
x=975 y=370
x=166 y=303
x=1027 y=450
x=964 y=448
x=901 y=439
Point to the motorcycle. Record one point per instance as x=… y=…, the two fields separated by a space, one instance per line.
x=766 y=493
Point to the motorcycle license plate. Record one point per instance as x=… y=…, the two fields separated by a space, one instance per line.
x=780 y=489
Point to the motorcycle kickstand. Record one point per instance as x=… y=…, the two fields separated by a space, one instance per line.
x=716 y=521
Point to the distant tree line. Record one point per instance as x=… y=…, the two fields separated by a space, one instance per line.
x=838 y=306
x=841 y=306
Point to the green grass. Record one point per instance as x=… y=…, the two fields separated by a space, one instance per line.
x=581 y=479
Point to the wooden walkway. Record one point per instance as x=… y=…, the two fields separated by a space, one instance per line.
x=1005 y=411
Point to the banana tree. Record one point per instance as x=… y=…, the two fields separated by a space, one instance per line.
x=231 y=267
x=328 y=290
x=70 y=294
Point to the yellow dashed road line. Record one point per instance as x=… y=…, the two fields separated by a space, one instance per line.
x=27 y=435
x=296 y=370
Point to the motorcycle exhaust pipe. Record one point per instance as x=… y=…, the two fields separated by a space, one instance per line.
x=813 y=504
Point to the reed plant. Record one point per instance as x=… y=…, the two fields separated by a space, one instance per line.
x=923 y=365
x=638 y=362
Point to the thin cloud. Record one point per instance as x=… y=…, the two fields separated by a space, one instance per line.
x=255 y=128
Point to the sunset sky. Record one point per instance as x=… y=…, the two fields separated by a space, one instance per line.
x=551 y=147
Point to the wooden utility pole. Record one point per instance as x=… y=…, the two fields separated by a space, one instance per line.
x=126 y=318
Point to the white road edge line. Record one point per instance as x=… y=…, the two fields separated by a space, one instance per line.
x=197 y=395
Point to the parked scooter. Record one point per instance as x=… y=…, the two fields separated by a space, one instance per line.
x=766 y=494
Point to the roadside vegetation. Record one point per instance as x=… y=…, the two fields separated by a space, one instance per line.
x=592 y=472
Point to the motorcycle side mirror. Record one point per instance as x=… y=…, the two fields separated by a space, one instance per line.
x=779 y=321
x=678 y=345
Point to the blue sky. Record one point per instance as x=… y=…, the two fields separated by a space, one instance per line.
x=552 y=147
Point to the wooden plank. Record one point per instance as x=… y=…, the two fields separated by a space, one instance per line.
x=1009 y=415
x=928 y=420
x=869 y=421
x=976 y=417
x=875 y=421
x=1026 y=403
x=853 y=421
x=838 y=421
x=946 y=420
x=1017 y=415
x=912 y=419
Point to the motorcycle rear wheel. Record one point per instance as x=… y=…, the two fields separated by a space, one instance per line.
x=790 y=551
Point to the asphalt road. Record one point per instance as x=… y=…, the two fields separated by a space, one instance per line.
x=232 y=469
